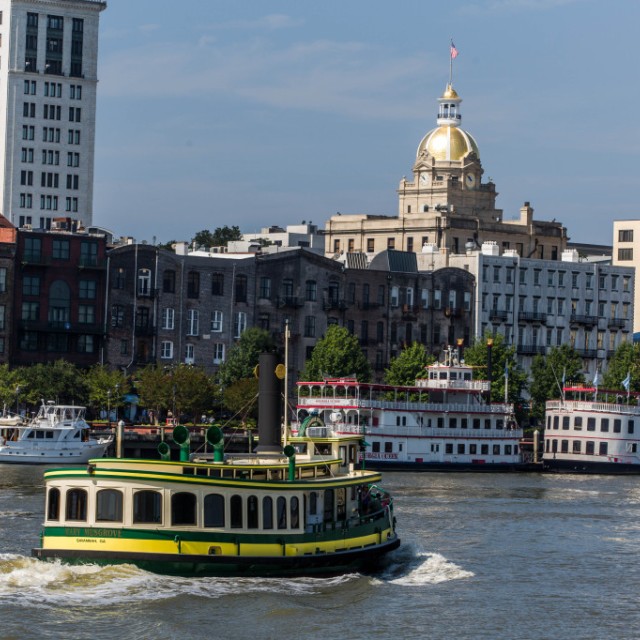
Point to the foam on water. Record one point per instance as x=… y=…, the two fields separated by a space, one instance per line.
x=53 y=583
x=416 y=567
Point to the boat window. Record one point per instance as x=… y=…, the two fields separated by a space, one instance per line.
x=252 y=512
x=295 y=512
x=476 y=423
x=496 y=449
x=39 y=435
x=267 y=512
x=443 y=375
x=617 y=425
x=281 y=505
x=590 y=448
x=630 y=426
x=453 y=375
x=554 y=445
x=453 y=423
x=577 y=422
x=236 y=512
x=565 y=422
x=591 y=424
x=343 y=454
x=484 y=449
x=461 y=448
x=109 y=505
x=464 y=423
x=556 y=422
x=328 y=505
x=53 y=504
x=76 y=504
x=467 y=376
x=577 y=446
x=564 y=446
x=507 y=449
x=183 y=508
x=487 y=423
x=48 y=435
x=604 y=448
x=604 y=424
x=214 y=510
x=76 y=434
x=313 y=503
x=499 y=423
x=147 y=507
x=31 y=434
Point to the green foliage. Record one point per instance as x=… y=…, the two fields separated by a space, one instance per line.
x=58 y=381
x=625 y=359
x=106 y=387
x=547 y=373
x=477 y=356
x=244 y=355
x=241 y=398
x=219 y=238
x=408 y=365
x=154 y=389
x=12 y=387
x=337 y=355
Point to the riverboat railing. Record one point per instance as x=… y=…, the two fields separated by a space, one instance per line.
x=583 y=405
x=427 y=407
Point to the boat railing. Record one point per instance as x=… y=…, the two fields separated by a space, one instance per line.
x=364 y=403
x=584 y=405
x=423 y=430
x=466 y=385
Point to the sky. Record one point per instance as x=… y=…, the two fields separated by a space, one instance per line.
x=259 y=113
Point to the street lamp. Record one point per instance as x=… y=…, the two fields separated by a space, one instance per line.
x=489 y=366
x=17 y=398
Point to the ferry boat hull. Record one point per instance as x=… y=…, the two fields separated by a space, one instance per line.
x=10 y=454
x=595 y=468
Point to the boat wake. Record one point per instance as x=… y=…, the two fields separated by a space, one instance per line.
x=411 y=566
x=54 y=583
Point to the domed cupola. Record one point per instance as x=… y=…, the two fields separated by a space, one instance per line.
x=448 y=141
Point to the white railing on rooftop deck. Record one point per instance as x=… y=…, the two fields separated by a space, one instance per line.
x=431 y=407
x=582 y=405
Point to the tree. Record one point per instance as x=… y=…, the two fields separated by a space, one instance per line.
x=547 y=374
x=219 y=238
x=192 y=391
x=59 y=381
x=338 y=355
x=626 y=359
x=12 y=387
x=244 y=355
x=106 y=388
x=240 y=398
x=408 y=365
x=154 y=389
x=477 y=356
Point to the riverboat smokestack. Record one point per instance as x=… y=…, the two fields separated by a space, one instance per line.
x=269 y=406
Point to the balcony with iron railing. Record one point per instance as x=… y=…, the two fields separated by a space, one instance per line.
x=617 y=322
x=532 y=316
x=583 y=319
x=498 y=314
x=530 y=349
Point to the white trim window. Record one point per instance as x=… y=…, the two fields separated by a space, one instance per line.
x=193 y=322
x=166 y=350
x=168 y=318
x=189 y=354
x=218 y=353
x=216 y=321
x=240 y=324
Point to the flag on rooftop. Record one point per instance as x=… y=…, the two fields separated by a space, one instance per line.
x=454 y=51
x=626 y=383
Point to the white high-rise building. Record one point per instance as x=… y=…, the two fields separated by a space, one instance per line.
x=48 y=81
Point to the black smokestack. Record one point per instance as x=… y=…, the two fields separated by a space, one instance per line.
x=269 y=406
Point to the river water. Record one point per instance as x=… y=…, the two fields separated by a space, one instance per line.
x=517 y=556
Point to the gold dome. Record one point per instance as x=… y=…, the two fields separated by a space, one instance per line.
x=449 y=93
x=448 y=143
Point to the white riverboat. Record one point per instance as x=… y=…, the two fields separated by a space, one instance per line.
x=57 y=434
x=446 y=421
x=585 y=433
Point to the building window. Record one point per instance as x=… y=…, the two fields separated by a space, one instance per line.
x=144 y=282
x=86 y=314
x=166 y=350
x=240 y=324
x=391 y=243
x=241 y=289
x=217 y=284
x=193 y=284
x=625 y=254
x=60 y=249
x=168 y=318
x=218 y=353
x=216 y=321
x=189 y=354
x=86 y=344
x=371 y=243
x=311 y=290
x=117 y=315
x=265 y=287
x=169 y=281
x=31 y=286
x=625 y=235
x=119 y=278
x=310 y=327
x=193 y=322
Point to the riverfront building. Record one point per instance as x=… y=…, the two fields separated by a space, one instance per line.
x=48 y=81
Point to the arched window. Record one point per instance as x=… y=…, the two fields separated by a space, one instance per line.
x=267 y=512
x=59 y=303
x=282 y=512
x=294 y=508
x=328 y=505
x=236 y=512
x=109 y=505
x=183 y=508
x=76 y=504
x=214 y=510
x=252 y=512
x=53 y=504
x=144 y=282
x=147 y=507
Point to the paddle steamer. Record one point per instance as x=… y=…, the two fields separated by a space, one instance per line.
x=446 y=421
x=303 y=509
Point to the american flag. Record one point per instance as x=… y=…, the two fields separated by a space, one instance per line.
x=454 y=51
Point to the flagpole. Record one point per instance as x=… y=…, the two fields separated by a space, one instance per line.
x=451 y=62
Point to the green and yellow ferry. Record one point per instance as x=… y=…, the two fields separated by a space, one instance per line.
x=304 y=508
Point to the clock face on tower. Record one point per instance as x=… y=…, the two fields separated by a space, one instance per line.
x=424 y=178
x=471 y=180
